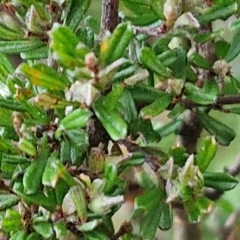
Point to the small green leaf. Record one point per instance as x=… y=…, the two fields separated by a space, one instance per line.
x=8 y=201
x=110 y=101
x=200 y=61
x=198 y=95
x=150 y=60
x=33 y=236
x=76 y=13
x=77 y=194
x=44 y=229
x=194 y=213
x=127 y=107
x=157 y=8
x=177 y=110
x=112 y=122
x=89 y=226
x=143 y=19
x=169 y=128
x=38 y=53
x=235 y=110
x=110 y=174
x=6 y=62
x=145 y=127
x=166 y=219
x=37 y=198
x=224 y=135
x=60 y=230
x=218 y=12
x=158 y=106
x=234 y=49
x=135 y=160
x=205 y=37
x=206 y=153
x=33 y=174
x=114 y=47
x=26 y=147
x=221 y=48
x=76 y=119
x=179 y=155
x=150 y=224
x=179 y=66
x=54 y=170
x=150 y=199
x=15 y=47
x=11 y=221
x=219 y=181
x=145 y=94
x=19 y=235
x=44 y=76
x=143 y=6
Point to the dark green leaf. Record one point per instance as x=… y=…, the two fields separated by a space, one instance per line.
x=177 y=110
x=218 y=12
x=158 y=106
x=127 y=107
x=145 y=94
x=206 y=153
x=145 y=128
x=112 y=122
x=15 y=47
x=179 y=66
x=76 y=13
x=6 y=62
x=150 y=60
x=8 y=201
x=38 y=198
x=33 y=236
x=150 y=224
x=143 y=20
x=142 y=6
x=44 y=229
x=169 y=128
x=12 y=221
x=33 y=175
x=224 y=135
x=44 y=76
x=166 y=219
x=110 y=174
x=234 y=49
x=200 y=61
x=19 y=235
x=198 y=95
x=114 y=47
x=179 y=155
x=221 y=48
x=219 y=181
x=38 y=53
x=150 y=199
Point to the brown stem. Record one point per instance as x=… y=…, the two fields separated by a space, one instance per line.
x=220 y=101
x=183 y=230
x=109 y=19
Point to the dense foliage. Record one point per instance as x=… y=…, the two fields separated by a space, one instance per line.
x=77 y=115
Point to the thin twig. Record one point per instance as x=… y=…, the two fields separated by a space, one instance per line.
x=155 y=31
x=220 y=101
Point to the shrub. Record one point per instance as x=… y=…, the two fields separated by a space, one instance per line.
x=78 y=126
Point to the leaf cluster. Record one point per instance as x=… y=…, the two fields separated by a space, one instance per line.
x=77 y=115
